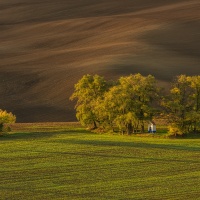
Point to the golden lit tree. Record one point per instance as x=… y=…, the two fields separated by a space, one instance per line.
x=88 y=91
x=6 y=117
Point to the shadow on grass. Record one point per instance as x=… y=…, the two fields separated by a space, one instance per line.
x=37 y=135
x=107 y=155
x=128 y=144
x=41 y=134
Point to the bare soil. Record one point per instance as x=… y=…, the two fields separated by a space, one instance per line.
x=47 y=46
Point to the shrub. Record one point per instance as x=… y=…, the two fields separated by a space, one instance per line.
x=175 y=130
x=6 y=117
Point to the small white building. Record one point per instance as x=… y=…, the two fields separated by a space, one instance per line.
x=151 y=127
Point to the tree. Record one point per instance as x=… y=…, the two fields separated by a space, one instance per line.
x=194 y=115
x=129 y=103
x=6 y=117
x=143 y=92
x=116 y=109
x=88 y=91
x=178 y=104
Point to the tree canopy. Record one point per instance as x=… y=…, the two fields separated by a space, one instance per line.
x=135 y=99
x=88 y=91
x=126 y=104
x=183 y=105
x=6 y=117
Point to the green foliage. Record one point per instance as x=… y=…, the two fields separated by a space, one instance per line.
x=194 y=115
x=183 y=105
x=175 y=130
x=59 y=162
x=134 y=100
x=127 y=104
x=88 y=91
x=6 y=117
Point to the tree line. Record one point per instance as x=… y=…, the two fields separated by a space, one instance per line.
x=128 y=103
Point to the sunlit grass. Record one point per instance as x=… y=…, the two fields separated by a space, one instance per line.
x=68 y=162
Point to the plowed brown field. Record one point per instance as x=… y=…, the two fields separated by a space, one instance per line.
x=47 y=46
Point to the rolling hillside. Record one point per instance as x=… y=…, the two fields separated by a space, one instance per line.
x=47 y=46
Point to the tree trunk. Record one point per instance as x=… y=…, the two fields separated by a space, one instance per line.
x=1 y=127
x=142 y=127
x=129 y=128
x=94 y=126
x=195 y=127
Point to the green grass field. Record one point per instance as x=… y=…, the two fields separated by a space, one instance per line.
x=64 y=161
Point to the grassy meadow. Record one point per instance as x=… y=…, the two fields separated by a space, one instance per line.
x=65 y=161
